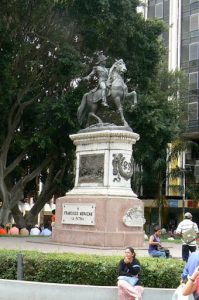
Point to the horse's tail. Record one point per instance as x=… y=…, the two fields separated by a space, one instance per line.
x=135 y=97
x=82 y=110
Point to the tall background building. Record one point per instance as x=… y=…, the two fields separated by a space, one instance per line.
x=182 y=43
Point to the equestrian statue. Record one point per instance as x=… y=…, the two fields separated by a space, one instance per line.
x=110 y=86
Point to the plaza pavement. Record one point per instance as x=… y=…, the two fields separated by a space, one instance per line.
x=45 y=244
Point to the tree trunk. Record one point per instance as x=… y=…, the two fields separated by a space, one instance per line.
x=37 y=207
x=160 y=205
x=18 y=217
x=160 y=213
x=4 y=215
x=31 y=219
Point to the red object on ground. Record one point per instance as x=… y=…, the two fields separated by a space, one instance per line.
x=3 y=231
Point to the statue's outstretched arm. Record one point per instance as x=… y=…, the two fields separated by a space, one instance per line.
x=89 y=76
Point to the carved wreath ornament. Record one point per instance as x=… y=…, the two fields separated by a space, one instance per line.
x=134 y=217
x=122 y=168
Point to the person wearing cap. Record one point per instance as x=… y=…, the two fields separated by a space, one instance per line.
x=101 y=72
x=183 y=227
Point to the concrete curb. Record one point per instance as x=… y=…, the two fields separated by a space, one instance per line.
x=23 y=290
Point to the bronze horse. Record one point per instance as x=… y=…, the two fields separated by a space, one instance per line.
x=117 y=92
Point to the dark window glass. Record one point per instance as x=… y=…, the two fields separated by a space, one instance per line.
x=185 y=53
x=159 y=10
x=186 y=9
x=194 y=11
x=185 y=24
x=193 y=51
x=195 y=33
x=165 y=36
x=194 y=6
x=193 y=65
x=184 y=2
x=193 y=111
x=193 y=98
x=151 y=2
x=193 y=81
x=185 y=41
x=166 y=9
x=151 y=12
x=194 y=22
x=193 y=93
x=185 y=66
x=194 y=39
x=186 y=36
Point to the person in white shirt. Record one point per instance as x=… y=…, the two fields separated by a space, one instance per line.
x=35 y=230
x=46 y=231
x=183 y=226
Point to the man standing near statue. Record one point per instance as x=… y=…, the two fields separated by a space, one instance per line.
x=188 y=230
x=101 y=72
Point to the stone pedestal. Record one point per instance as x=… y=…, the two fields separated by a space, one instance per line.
x=101 y=210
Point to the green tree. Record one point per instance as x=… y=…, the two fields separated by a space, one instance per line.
x=38 y=61
x=159 y=118
x=45 y=45
x=122 y=32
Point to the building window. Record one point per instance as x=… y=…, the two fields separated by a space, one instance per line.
x=166 y=9
x=193 y=1
x=193 y=51
x=194 y=6
x=196 y=171
x=194 y=33
x=185 y=53
x=194 y=22
x=185 y=25
x=193 y=111
x=159 y=11
x=193 y=81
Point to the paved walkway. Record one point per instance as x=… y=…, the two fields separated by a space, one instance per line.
x=45 y=244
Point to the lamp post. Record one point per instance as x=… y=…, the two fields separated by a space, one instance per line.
x=183 y=191
x=183 y=182
x=186 y=168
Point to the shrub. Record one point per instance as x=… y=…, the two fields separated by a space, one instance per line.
x=8 y=263
x=87 y=269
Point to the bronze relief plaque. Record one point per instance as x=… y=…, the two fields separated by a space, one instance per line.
x=91 y=168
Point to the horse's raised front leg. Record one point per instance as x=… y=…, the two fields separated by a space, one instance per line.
x=133 y=95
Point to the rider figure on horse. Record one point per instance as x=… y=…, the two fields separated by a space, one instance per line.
x=102 y=73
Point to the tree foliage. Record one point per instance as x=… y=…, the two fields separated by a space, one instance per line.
x=160 y=118
x=123 y=33
x=45 y=45
x=37 y=64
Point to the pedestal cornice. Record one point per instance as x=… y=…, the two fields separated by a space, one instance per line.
x=102 y=136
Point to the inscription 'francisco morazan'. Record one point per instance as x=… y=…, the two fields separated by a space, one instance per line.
x=78 y=213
